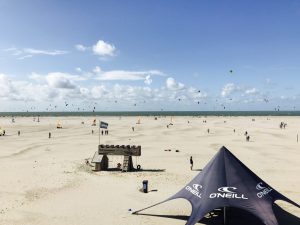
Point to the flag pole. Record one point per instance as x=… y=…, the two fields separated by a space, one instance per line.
x=99 y=132
x=224 y=210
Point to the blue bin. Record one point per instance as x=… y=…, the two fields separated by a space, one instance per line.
x=145 y=186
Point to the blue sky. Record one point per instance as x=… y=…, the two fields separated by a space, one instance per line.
x=149 y=55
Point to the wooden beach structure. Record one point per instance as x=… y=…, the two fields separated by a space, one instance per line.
x=101 y=156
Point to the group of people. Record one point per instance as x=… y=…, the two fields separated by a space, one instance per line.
x=247 y=136
x=282 y=125
x=105 y=132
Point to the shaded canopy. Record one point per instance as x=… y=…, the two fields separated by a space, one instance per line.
x=227 y=182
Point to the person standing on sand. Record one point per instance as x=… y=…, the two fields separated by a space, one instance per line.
x=191 y=162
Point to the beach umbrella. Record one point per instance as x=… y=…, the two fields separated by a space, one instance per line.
x=227 y=182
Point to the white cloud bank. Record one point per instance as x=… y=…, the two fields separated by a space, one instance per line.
x=58 y=87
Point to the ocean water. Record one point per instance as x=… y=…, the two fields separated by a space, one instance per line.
x=156 y=113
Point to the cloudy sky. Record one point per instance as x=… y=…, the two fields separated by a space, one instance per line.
x=149 y=55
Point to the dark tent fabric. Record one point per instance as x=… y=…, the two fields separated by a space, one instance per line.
x=227 y=182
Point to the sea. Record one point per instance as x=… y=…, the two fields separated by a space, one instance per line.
x=151 y=113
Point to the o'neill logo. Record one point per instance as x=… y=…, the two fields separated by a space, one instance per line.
x=263 y=191
x=227 y=192
x=195 y=190
x=197 y=186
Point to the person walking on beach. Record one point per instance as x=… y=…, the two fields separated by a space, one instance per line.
x=248 y=138
x=191 y=162
x=49 y=134
x=19 y=132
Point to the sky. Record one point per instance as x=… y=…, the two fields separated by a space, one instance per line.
x=149 y=55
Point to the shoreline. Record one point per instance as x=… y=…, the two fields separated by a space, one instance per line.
x=154 y=113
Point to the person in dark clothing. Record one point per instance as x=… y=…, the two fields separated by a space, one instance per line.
x=191 y=162
x=248 y=138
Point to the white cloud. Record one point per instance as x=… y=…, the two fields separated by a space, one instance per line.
x=172 y=84
x=78 y=69
x=14 y=51
x=228 y=89
x=98 y=91
x=251 y=91
x=97 y=70
x=60 y=80
x=128 y=75
x=25 y=91
x=148 y=80
x=44 y=52
x=37 y=77
x=41 y=88
x=103 y=48
x=194 y=93
x=25 y=56
x=24 y=53
x=5 y=86
x=81 y=48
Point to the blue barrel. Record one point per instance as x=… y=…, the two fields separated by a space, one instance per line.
x=145 y=186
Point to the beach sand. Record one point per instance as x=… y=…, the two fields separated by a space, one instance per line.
x=46 y=182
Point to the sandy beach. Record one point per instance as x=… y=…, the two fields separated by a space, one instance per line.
x=46 y=181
